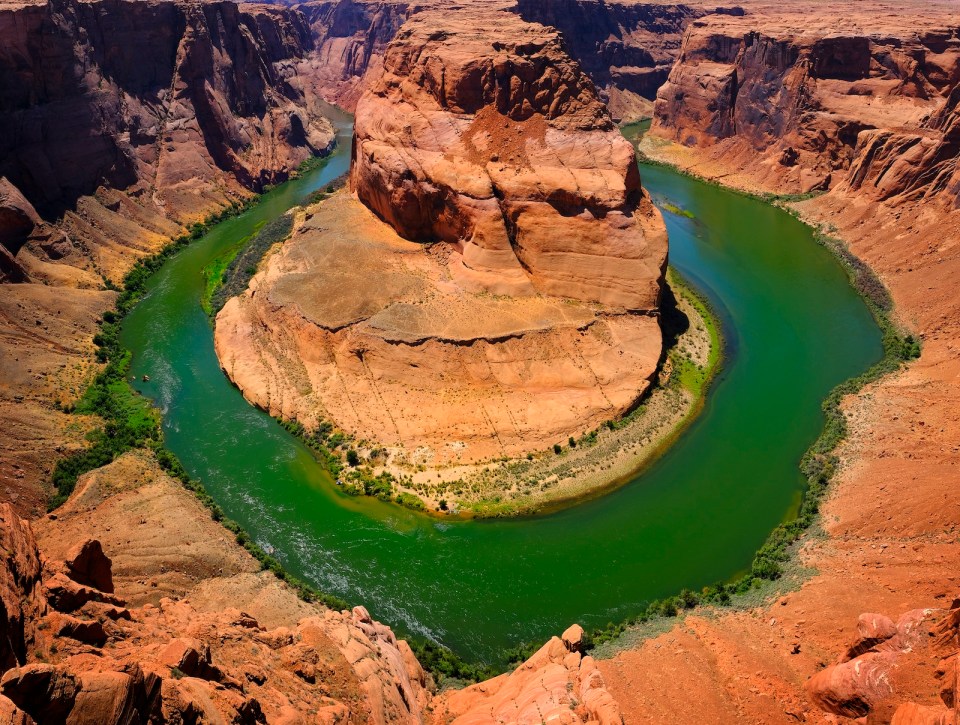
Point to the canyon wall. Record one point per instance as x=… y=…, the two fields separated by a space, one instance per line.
x=350 y=38
x=119 y=122
x=855 y=104
x=506 y=297
x=627 y=48
x=802 y=104
x=170 y=99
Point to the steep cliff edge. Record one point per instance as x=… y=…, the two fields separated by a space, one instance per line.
x=522 y=312
x=497 y=144
x=797 y=101
x=166 y=99
x=350 y=38
x=857 y=102
x=119 y=122
x=627 y=48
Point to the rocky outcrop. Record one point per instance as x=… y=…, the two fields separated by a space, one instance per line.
x=496 y=143
x=527 y=269
x=870 y=682
x=99 y=657
x=822 y=91
x=557 y=683
x=626 y=48
x=230 y=644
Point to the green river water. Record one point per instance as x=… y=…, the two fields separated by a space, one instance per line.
x=794 y=328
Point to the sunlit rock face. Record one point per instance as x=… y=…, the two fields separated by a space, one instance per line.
x=491 y=286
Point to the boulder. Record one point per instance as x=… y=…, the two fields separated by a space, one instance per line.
x=573 y=638
x=87 y=564
x=17 y=217
x=872 y=629
x=852 y=688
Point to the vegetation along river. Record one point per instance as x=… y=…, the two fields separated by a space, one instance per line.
x=794 y=328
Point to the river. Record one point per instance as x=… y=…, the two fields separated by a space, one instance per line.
x=794 y=328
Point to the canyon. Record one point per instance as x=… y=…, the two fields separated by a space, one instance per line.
x=522 y=310
x=851 y=114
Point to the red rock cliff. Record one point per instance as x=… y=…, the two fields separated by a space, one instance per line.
x=483 y=133
x=350 y=39
x=627 y=48
x=810 y=103
x=171 y=98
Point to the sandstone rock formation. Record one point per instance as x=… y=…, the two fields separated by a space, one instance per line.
x=627 y=48
x=496 y=143
x=350 y=38
x=799 y=100
x=529 y=317
x=81 y=654
x=557 y=683
x=871 y=683
x=211 y=638
x=891 y=529
x=171 y=98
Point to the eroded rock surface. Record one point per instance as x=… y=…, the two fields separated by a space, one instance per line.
x=166 y=96
x=495 y=142
x=809 y=101
x=521 y=311
x=211 y=638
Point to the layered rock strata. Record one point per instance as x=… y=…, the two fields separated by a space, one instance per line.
x=496 y=143
x=627 y=48
x=169 y=98
x=119 y=122
x=805 y=103
x=350 y=38
x=523 y=308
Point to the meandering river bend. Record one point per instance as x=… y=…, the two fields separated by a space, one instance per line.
x=794 y=329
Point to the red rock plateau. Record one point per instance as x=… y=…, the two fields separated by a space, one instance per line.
x=522 y=311
x=858 y=101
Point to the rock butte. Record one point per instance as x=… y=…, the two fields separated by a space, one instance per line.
x=529 y=318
